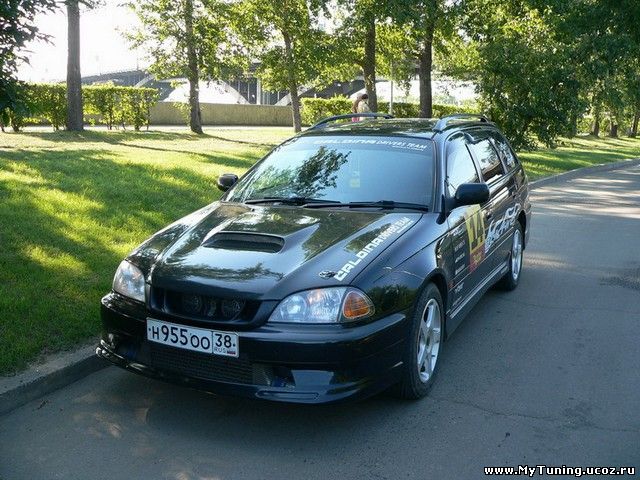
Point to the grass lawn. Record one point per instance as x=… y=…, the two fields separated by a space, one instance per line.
x=73 y=205
x=578 y=152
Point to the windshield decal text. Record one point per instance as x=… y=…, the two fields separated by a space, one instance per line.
x=372 y=141
x=395 y=228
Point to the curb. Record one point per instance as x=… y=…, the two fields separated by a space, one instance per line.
x=581 y=172
x=63 y=369
x=57 y=372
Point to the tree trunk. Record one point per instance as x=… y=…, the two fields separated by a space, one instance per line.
x=369 y=63
x=596 y=127
x=195 y=118
x=424 y=73
x=634 y=127
x=292 y=81
x=573 y=125
x=613 y=130
x=74 y=80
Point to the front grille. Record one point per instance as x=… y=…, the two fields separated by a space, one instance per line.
x=202 y=307
x=201 y=365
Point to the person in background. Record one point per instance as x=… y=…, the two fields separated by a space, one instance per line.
x=363 y=104
x=360 y=105
x=354 y=107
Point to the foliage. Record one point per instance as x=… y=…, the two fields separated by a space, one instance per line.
x=284 y=37
x=188 y=39
x=527 y=84
x=315 y=109
x=107 y=104
x=17 y=27
x=40 y=102
x=120 y=105
x=162 y=36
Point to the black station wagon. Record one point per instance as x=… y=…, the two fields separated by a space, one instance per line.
x=335 y=268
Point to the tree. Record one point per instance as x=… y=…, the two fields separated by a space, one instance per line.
x=527 y=81
x=75 y=120
x=424 y=25
x=188 y=39
x=17 y=27
x=282 y=35
x=357 y=37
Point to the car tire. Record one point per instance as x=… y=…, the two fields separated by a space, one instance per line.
x=511 y=279
x=424 y=345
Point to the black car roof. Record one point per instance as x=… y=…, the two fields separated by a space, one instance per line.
x=425 y=128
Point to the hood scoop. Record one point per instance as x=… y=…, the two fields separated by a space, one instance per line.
x=251 y=242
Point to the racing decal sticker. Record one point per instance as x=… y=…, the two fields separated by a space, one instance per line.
x=394 y=229
x=475 y=231
x=405 y=145
x=499 y=227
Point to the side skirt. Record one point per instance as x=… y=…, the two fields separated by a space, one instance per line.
x=456 y=316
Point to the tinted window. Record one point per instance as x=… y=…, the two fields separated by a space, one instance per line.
x=344 y=169
x=490 y=164
x=460 y=166
x=504 y=149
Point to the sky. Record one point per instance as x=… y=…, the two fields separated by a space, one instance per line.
x=103 y=48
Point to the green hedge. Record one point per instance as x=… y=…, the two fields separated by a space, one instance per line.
x=110 y=105
x=315 y=109
x=119 y=105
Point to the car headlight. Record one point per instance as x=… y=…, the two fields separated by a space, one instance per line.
x=129 y=281
x=323 y=305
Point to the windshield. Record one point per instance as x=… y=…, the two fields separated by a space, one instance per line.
x=343 y=169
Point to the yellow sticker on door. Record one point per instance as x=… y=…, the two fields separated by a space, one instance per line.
x=475 y=230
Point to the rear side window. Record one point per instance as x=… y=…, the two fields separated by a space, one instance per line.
x=490 y=164
x=460 y=166
x=504 y=149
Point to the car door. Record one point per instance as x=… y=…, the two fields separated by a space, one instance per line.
x=499 y=214
x=466 y=224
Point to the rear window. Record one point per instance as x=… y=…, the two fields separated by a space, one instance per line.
x=504 y=149
x=490 y=164
x=345 y=169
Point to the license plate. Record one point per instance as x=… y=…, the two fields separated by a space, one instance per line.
x=192 y=338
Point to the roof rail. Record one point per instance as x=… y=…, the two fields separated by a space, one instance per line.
x=322 y=123
x=444 y=121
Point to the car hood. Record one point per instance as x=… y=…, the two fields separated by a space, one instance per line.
x=267 y=252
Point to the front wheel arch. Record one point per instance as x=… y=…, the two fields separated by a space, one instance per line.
x=439 y=280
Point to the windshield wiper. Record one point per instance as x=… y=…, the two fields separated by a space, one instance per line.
x=290 y=201
x=385 y=204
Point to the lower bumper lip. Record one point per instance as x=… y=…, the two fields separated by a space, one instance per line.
x=301 y=365
x=316 y=394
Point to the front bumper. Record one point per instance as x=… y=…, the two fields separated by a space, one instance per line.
x=292 y=363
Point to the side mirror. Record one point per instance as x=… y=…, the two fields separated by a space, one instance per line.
x=471 y=194
x=226 y=181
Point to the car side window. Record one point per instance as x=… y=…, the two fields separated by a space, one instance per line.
x=460 y=166
x=488 y=158
x=504 y=150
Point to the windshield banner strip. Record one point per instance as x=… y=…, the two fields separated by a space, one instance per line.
x=372 y=141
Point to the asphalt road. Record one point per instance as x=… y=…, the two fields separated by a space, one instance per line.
x=548 y=374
